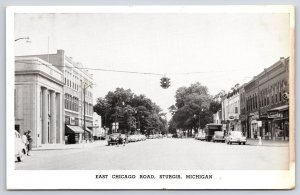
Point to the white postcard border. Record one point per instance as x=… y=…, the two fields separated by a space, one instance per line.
x=86 y=179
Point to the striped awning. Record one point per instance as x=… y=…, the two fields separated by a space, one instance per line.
x=280 y=108
x=73 y=129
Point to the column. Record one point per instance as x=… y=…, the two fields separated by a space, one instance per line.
x=52 y=118
x=44 y=115
x=58 y=118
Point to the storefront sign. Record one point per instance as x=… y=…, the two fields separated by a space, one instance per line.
x=72 y=121
x=273 y=114
x=259 y=123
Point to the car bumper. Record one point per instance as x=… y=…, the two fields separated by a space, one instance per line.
x=238 y=141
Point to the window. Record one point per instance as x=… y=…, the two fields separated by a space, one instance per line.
x=280 y=96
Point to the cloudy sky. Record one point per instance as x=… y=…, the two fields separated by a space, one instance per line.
x=217 y=50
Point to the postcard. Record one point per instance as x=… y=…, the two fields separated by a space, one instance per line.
x=150 y=97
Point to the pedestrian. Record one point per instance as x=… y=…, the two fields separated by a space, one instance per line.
x=255 y=134
x=29 y=141
x=25 y=141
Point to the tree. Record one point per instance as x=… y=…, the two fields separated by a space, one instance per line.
x=133 y=112
x=191 y=109
x=215 y=106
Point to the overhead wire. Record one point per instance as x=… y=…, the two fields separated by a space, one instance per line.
x=129 y=72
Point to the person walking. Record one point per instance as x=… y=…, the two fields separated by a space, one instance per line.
x=29 y=145
x=25 y=141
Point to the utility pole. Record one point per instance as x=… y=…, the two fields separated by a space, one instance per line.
x=84 y=124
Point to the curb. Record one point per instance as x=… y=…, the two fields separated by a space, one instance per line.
x=66 y=147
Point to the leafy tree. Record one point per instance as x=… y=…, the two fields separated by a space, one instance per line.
x=133 y=112
x=215 y=106
x=191 y=109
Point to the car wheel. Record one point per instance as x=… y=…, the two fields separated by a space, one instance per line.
x=244 y=143
x=230 y=143
x=239 y=143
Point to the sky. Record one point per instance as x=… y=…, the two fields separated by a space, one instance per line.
x=217 y=50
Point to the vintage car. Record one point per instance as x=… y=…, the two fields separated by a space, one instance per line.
x=201 y=136
x=218 y=136
x=124 y=138
x=113 y=138
x=20 y=148
x=235 y=137
x=132 y=138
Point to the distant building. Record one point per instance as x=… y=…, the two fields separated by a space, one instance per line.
x=98 y=131
x=243 y=116
x=78 y=96
x=217 y=117
x=231 y=110
x=39 y=100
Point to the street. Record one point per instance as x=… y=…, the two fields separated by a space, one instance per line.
x=161 y=154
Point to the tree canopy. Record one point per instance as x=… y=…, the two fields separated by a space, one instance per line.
x=132 y=112
x=192 y=109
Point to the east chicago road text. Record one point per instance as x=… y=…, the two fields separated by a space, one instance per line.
x=115 y=176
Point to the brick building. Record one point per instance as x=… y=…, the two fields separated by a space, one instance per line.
x=266 y=97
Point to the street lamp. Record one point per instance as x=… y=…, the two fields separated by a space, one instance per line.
x=84 y=125
x=26 y=38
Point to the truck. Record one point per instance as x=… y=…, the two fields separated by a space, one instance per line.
x=210 y=130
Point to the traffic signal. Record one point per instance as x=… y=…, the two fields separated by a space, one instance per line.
x=165 y=82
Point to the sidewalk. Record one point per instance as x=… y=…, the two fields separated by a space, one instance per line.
x=71 y=146
x=277 y=143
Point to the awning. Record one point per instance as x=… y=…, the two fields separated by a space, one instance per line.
x=280 y=108
x=89 y=131
x=73 y=129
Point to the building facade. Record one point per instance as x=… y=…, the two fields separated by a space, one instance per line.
x=98 y=131
x=231 y=110
x=267 y=107
x=78 y=96
x=217 y=117
x=39 y=100
x=243 y=116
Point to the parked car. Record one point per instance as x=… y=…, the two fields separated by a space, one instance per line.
x=124 y=138
x=235 y=137
x=132 y=138
x=218 y=136
x=113 y=138
x=20 y=148
x=202 y=136
x=169 y=135
x=210 y=130
x=143 y=137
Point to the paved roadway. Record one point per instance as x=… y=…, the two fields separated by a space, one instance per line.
x=161 y=154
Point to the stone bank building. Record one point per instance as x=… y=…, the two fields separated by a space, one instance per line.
x=41 y=82
x=39 y=92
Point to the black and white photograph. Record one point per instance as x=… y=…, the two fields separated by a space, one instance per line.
x=175 y=97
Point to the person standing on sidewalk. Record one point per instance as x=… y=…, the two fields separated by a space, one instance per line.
x=29 y=145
